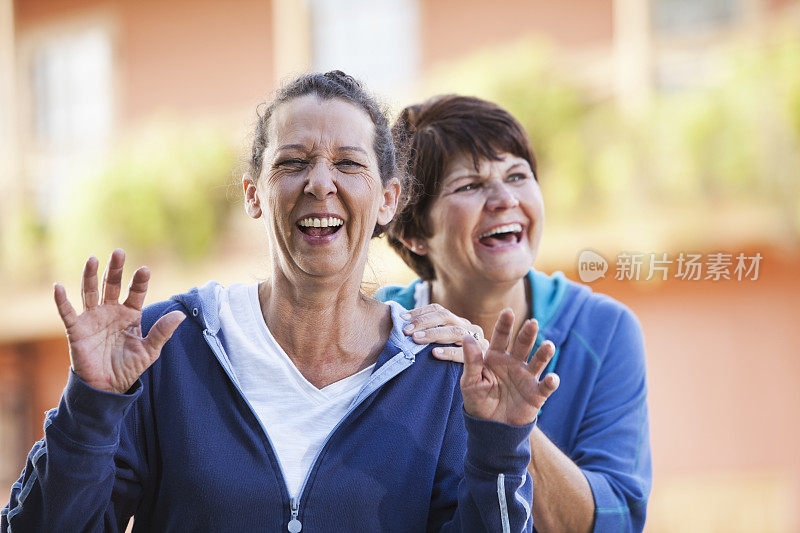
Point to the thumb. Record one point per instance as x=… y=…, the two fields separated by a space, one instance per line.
x=473 y=361
x=548 y=386
x=161 y=332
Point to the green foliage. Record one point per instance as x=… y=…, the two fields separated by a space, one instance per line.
x=162 y=196
x=734 y=143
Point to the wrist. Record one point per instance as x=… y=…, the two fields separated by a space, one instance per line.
x=92 y=416
x=497 y=447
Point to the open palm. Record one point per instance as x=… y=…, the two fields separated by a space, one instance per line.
x=501 y=386
x=106 y=346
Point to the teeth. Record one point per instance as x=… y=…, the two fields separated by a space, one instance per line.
x=508 y=228
x=321 y=222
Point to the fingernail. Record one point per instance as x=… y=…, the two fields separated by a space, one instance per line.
x=406 y=316
x=438 y=351
x=419 y=334
x=408 y=329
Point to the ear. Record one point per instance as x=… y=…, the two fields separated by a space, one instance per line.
x=415 y=244
x=252 y=204
x=391 y=195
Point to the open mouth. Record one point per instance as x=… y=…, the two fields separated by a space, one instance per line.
x=320 y=227
x=501 y=236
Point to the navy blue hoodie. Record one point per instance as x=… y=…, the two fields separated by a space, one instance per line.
x=183 y=450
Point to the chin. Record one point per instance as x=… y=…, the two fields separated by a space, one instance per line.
x=508 y=271
x=320 y=267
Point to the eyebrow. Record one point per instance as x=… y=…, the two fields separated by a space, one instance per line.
x=354 y=149
x=450 y=177
x=291 y=147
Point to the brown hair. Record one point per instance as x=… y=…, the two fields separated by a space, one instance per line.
x=433 y=132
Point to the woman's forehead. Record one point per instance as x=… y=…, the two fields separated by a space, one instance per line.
x=311 y=121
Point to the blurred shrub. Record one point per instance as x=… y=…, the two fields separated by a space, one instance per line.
x=734 y=144
x=163 y=195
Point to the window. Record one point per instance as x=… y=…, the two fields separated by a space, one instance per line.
x=676 y=16
x=376 y=42
x=71 y=107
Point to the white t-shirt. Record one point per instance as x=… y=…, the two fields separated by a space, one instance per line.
x=422 y=294
x=298 y=416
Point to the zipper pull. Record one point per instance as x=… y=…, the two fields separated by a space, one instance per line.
x=294 y=524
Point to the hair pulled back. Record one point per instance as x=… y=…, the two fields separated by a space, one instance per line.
x=327 y=86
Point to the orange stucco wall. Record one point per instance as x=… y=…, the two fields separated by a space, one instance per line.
x=452 y=28
x=181 y=56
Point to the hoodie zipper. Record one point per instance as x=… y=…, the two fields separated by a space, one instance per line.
x=294 y=525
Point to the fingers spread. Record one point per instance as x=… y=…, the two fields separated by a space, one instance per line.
x=89 y=292
x=540 y=359
x=449 y=353
x=138 y=289
x=525 y=339
x=112 y=277
x=161 y=331
x=502 y=331
x=65 y=309
x=473 y=361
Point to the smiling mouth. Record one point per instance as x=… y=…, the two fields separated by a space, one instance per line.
x=501 y=236
x=320 y=227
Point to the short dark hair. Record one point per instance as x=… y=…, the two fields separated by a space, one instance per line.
x=432 y=133
x=326 y=86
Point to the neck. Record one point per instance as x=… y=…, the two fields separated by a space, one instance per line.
x=481 y=303
x=328 y=330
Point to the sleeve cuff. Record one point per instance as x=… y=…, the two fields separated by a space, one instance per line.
x=610 y=514
x=91 y=416
x=496 y=447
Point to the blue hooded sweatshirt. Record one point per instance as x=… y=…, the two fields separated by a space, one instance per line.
x=598 y=415
x=183 y=450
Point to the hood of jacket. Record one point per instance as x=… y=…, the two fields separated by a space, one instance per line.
x=202 y=306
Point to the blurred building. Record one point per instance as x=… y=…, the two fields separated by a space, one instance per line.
x=78 y=76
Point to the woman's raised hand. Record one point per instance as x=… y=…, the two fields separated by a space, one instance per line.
x=500 y=385
x=434 y=324
x=106 y=347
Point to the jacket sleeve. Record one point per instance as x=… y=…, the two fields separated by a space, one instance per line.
x=489 y=489
x=84 y=475
x=613 y=442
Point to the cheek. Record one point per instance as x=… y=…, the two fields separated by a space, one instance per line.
x=452 y=224
x=531 y=201
x=456 y=218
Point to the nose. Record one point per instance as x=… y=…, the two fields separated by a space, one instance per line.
x=319 y=182
x=500 y=197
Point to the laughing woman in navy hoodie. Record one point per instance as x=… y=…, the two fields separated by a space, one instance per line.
x=293 y=404
x=472 y=233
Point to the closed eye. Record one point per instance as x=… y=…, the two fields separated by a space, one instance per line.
x=292 y=163
x=348 y=163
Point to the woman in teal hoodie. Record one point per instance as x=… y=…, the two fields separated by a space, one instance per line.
x=471 y=231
